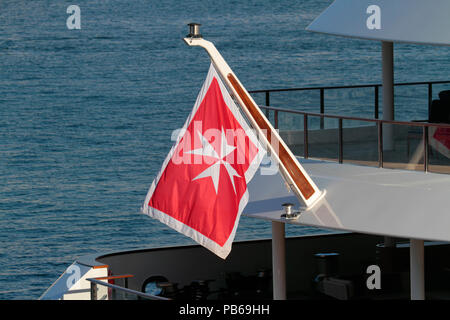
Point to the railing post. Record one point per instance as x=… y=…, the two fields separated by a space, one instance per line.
x=267 y=103
x=376 y=102
x=93 y=291
x=276 y=119
x=305 y=136
x=430 y=98
x=268 y=98
x=322 y=107
x=380 y=143
x=341 y=142
x=425 y=148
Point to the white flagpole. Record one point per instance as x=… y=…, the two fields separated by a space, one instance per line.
x=297 y=178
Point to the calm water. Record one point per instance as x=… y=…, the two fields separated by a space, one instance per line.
x=86 y=115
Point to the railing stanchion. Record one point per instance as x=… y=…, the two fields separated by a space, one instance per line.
x=305 y=136
x=380 y=143
x=268 y=98
x=341 y=142
x=322 y=107
x=267 y=103
x=93 y=291
x=430 y=98
x=276 y=119
x=376 y=102
x=425 y=148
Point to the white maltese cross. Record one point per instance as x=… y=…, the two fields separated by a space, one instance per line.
x=213 y=170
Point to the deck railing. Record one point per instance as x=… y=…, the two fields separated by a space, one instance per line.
x=116 y=292
x=420 y=130
x=376 y=89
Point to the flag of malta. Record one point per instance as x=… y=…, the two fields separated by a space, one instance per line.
x=201 y=189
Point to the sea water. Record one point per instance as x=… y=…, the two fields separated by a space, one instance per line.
x=86 y=116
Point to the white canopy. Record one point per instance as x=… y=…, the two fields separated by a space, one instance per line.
x=413 y=21
x=390 y=202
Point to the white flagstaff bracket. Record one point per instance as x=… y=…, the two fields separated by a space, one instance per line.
x=294 y=174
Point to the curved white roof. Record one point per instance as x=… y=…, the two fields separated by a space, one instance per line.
x=390 y=202
x=413 y=21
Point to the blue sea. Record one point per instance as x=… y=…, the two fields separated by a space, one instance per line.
x=86 y=116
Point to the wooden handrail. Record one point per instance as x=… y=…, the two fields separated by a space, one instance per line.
x=95 y=282
x=332 y=116
x=349 y=86
x=288 y=162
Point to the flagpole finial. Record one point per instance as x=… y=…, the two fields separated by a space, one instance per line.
x=194 y=30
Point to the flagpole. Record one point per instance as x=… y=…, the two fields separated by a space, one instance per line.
x=297 y=178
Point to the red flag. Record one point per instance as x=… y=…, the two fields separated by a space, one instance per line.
x=201 y=189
